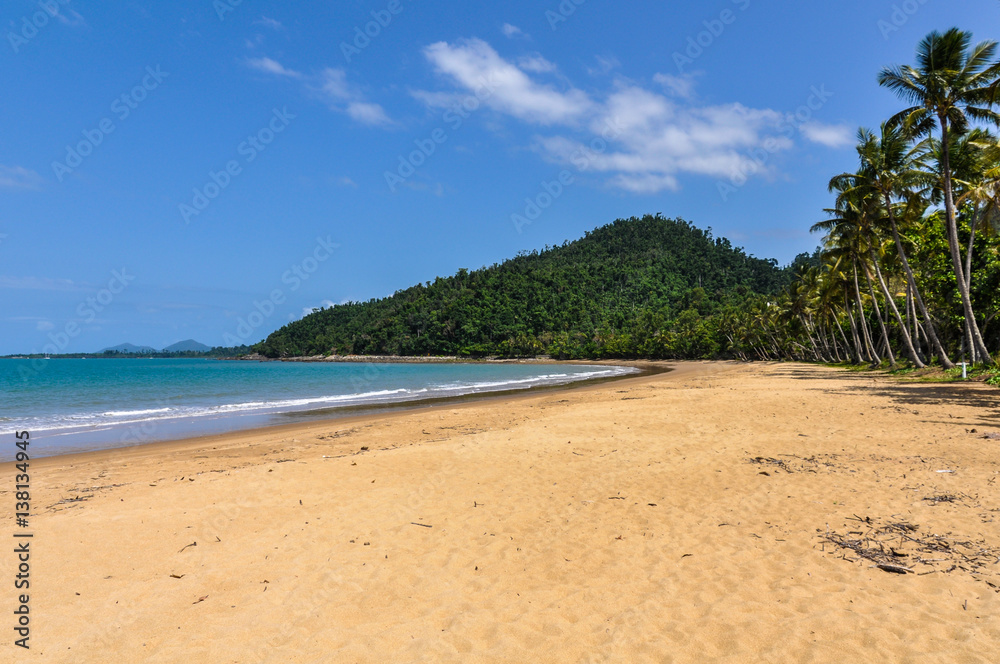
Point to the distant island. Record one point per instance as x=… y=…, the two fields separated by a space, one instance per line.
x=181 y=349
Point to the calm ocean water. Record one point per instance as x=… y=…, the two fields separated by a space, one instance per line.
x=73 y=405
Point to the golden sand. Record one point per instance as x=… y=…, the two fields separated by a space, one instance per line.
x=683 y=517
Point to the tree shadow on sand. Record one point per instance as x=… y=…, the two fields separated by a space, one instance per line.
x=984 y=398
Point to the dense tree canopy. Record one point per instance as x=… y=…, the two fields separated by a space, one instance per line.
x=636 y=287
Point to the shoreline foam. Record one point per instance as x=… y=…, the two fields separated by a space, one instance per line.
x=126 y=427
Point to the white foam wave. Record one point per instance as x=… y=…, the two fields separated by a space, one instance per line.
x=93 y=420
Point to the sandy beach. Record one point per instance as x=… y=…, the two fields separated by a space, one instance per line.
x=690 y=516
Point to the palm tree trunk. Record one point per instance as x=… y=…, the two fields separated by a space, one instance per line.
x=827 y=351
x=821 y=331
x=907 y=341
x=929 y=322
x=843 y=336
x=919 y=337
x=968 y=267
x=953 y=245
x=969 y=250
x=863 y=320
x=873 y=354
x=812 y=342
x=854 y=331
x=878 y=314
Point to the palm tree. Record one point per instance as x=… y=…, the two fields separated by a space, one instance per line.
x=831 y=288
x=845 y=245
x=861 y=208
x=840 y=285
x=950 y=86
x=891 y=168
x=850 y=231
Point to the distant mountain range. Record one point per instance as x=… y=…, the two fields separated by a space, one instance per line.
x=179 y=347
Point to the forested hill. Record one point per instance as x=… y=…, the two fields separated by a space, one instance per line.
x=647 y=287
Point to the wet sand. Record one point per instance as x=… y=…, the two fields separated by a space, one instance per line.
x=691 y=516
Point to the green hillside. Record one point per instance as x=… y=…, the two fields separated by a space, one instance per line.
x=647 y=287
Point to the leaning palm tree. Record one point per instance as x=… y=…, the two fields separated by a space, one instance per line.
x=851 y=229
x=891 y=169
x=846 y=247
x=861 y=206
x=953 y=83
x=840 y=286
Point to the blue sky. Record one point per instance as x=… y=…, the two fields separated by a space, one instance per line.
x=213 y=169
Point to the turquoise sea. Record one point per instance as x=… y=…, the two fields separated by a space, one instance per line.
x=75 y=405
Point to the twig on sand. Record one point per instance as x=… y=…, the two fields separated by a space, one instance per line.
x=895 y=569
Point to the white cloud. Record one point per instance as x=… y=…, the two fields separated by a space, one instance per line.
x=44 y=326
x=332 y=86
x=653 y=139
x=438 y=99
x=512 y=31
x=832 y=136
x=345 y=182
x=72 y=19
x=536 y=64
x=269 y=22
x=37 y=283
x=681 y=86
x=642 y=140
x=368 y=113
x=645 y=183
x=605 y=64
x=475 y=66
x=342 y=96
x=18 y=177
x=269 y=66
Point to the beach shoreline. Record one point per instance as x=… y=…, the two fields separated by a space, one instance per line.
x=686 y=516
x=346 y=416
x=179 y=429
